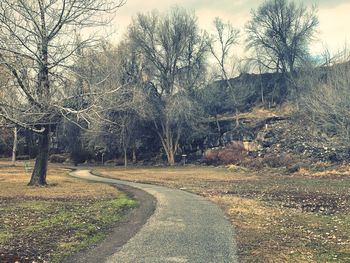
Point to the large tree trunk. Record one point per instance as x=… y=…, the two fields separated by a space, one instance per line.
x=169 y=151
x=169 y=143
x=40 y=169
x=14 y=148
x=169 y=147
x=170 y=156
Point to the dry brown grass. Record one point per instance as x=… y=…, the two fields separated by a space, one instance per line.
x=13 y=181
x=197 y=179
x=259 y=113
x=277 y=218
x=46 y=224
x=257 y=221
x=342 y=170
x=172 y=174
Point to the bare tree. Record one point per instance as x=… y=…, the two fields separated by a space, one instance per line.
x=222 y=42
x=174 y=51
x=116 y=128
x=325 y=102
x=280 y=31
x=36 y=44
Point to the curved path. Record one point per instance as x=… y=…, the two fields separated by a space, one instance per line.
x=184 y=228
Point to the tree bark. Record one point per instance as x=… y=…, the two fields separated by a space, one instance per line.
x=171 y=158
x=40 y=169
x=14 y=148
x=169 y=153
x=125 y=157
x=134 y=158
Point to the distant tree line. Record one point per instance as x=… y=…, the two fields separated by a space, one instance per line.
x=152 y=91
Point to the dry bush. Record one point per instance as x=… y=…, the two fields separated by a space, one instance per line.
x=58 y=158
x=232 y=153
x=283 y=160
x=255 y=163
x=211 y=156
x=279 y=160
x=22 y=157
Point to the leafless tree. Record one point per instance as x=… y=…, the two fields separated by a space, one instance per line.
x=37 y=42
x=116 y=126
x=175 y=52
x=222 y=42
x=280 y=32
x=326 y=99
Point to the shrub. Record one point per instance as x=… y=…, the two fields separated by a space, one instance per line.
x=22 y=157
x=232 y=153
x=211 y=156
x=57 y=158
x=80 y=156
x=253 y=163
x=273 y=161
x=279 y=160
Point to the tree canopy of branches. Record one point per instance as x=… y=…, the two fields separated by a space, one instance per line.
x=115 y=129
x=325 y=102
x=222 y=42
x=174 y=51
x=36 y=45
x=280 y=32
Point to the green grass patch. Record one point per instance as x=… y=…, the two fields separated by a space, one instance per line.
x=52 y=230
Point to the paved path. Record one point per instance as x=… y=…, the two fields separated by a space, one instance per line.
x=184 y=228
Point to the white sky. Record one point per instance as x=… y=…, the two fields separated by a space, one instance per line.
x=334 y=16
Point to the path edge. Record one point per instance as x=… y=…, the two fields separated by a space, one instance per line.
x=123 y=231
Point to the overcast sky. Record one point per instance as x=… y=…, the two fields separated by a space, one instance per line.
x=334 y=16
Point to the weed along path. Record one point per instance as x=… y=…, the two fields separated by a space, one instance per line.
x=184 y=228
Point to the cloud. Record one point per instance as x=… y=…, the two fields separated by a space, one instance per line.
x=334 y=26
x=333 y=16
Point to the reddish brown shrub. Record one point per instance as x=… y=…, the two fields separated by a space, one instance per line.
x=211 y=156
x=230 y=154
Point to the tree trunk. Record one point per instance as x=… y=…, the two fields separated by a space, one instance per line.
x=14 y=148
x=166 y=139
x=40 y=169
x=125 y=157
x=134 y=159
x=171 y=158
x=237 y=118
x=219 y=129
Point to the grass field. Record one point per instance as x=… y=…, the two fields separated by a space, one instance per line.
x=278 y=218
x=49 y=223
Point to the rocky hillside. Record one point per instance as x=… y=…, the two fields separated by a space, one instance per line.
x=274 y=132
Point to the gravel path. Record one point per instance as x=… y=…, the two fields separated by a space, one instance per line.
x=184 y=228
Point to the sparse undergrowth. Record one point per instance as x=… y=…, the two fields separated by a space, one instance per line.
x=49 y=223
x=278 y=218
